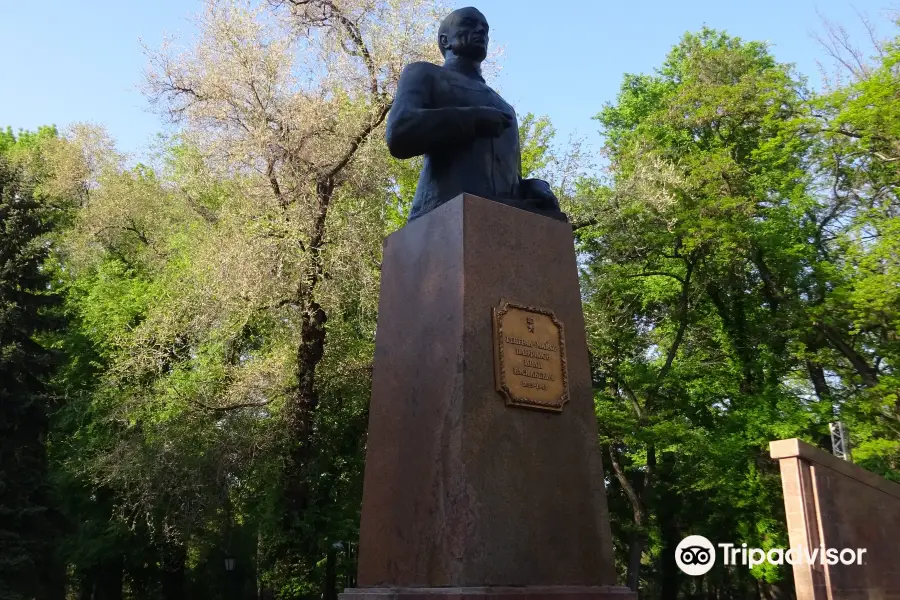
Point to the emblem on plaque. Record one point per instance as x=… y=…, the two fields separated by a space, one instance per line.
x=530 y=357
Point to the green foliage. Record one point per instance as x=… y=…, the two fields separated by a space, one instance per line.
x=535 y=138
x=740 y=280
x=858 y=244
x=732 y=298
x=28 y=527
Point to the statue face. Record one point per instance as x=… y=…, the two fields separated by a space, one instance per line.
x=466 y=34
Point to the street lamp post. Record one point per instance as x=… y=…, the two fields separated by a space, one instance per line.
x=331 y=570
x=230 y=582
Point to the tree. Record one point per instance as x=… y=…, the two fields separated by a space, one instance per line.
x=852 y=347
x=739 y=277
x=28 y=523
x=689 y=258
x=205 y=284
x=292 y=99
x=733 y=271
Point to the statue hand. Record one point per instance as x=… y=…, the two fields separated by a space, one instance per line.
x=489 y=121
x=538 y=189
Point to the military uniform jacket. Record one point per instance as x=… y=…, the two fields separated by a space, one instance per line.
x=426 y=118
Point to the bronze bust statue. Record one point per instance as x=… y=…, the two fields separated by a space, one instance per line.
x=467 y=132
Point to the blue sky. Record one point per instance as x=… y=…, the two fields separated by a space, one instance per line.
x=64 y=62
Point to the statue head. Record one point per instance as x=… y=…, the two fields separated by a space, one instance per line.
x=464 y=32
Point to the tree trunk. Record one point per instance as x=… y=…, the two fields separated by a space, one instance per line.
x=172 y=575
x=868 y=374
x=820 y=383
x=330 y=575
x=259 y=556
x=87 y=580
x=635 y=493
x=667 y=515
x=635 y=553
x=302 y=407
x=730 y=308
x=668 y=568
x=53 y=576
x=773 y=591
x=108 y=584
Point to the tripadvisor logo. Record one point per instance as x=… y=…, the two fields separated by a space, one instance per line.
x=696 y=555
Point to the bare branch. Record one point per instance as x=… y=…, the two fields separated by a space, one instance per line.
x=682 y=322
x=131 y=228
x=838 y=45
x=330 y=11
x=357 y=141
x=637 y=507
x=586 y=223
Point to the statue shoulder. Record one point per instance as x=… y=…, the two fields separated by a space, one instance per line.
x=420 y=70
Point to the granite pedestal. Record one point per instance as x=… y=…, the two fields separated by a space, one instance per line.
x=465 y=496
x=832 y=503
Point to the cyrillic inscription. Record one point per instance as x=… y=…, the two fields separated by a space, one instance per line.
x=529 y=357
x=533 y=353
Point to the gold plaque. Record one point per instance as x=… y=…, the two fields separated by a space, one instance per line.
x=530 y=357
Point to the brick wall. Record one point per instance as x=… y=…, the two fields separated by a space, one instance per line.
x=833 y=503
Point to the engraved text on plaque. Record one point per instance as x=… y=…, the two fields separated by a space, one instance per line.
x=530 y=357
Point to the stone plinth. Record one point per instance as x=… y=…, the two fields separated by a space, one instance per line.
x=466 y=496
x=536 y=592
x=833 y=503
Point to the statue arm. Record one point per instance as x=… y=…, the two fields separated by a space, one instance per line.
x=539 y=191
x=413 y=128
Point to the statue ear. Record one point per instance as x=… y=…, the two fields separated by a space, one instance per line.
x=445 y=41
